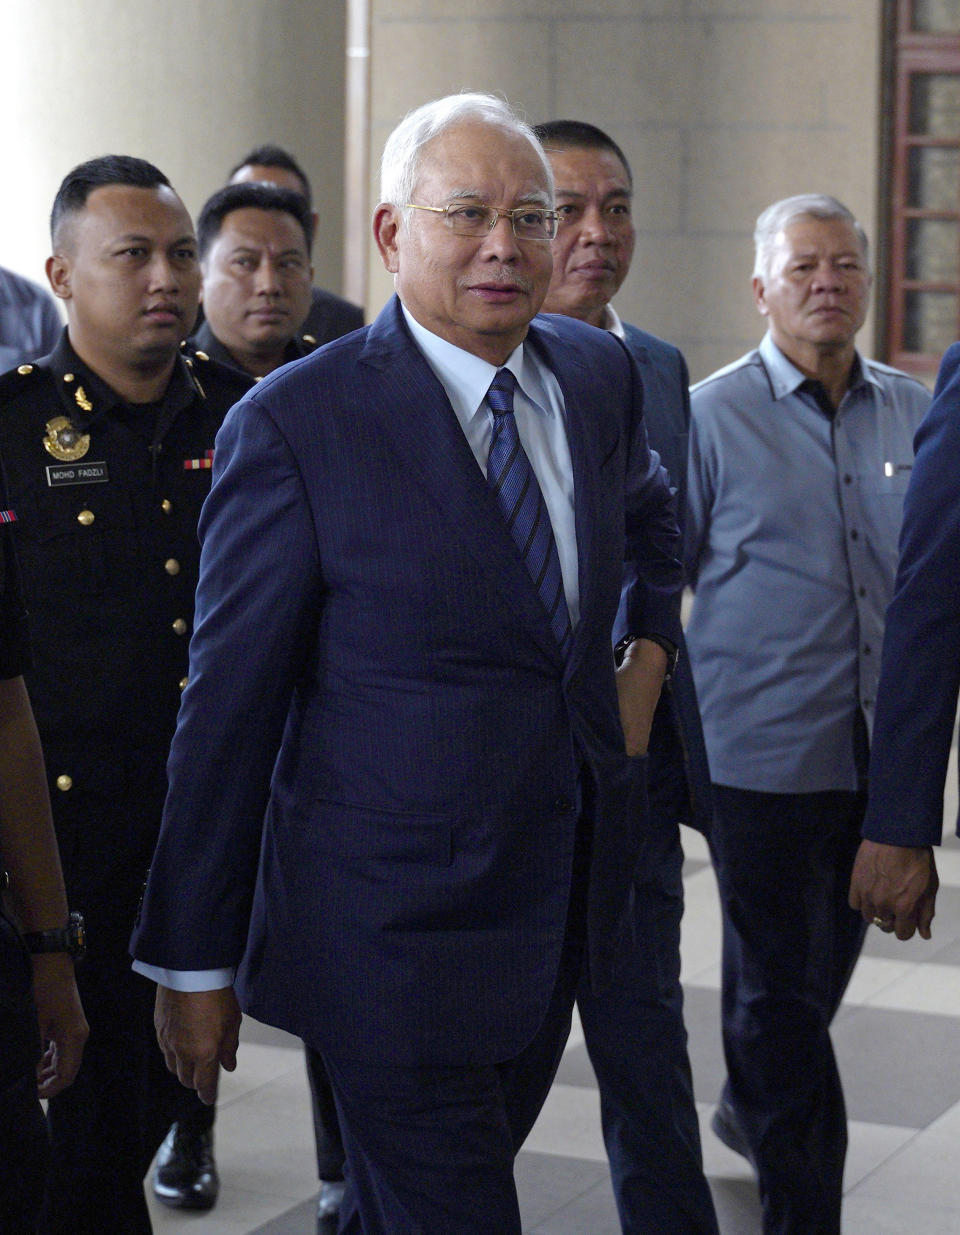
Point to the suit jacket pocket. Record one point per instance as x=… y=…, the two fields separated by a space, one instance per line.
x=346 y=830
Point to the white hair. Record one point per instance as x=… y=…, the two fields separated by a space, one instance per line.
x=400 y=162
x=803 y=206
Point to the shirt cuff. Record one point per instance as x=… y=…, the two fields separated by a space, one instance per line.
x=186 y=979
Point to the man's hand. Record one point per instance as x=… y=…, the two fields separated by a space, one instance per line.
x=639 y=682
x=198 y=1032
x=63 y=1027
x=895 y=887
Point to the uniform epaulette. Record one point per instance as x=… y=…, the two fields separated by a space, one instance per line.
x=206 y=371
x=22 y=378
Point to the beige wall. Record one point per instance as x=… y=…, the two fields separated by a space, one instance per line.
x=190 y=85
x=721 y=107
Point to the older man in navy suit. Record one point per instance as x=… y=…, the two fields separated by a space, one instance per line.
x=894 y=882
x=406 y=790
x=634 y=1031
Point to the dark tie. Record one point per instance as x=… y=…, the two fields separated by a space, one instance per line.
x=514 y=485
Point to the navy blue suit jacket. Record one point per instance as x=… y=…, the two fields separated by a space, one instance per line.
x=679 y=782
x=920 y=674
x=375 y=779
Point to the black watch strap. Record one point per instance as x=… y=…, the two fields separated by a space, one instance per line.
x=71 y=938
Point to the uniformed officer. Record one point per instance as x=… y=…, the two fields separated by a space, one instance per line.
x=42 y=1028
x=330 y=316
x=254 y=242
x=109 y=444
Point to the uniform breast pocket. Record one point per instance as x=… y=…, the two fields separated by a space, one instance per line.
x=84 y=539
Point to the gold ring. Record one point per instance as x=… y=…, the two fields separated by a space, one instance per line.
x=881 y=923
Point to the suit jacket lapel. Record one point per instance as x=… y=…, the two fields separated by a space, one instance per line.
x=416 y=413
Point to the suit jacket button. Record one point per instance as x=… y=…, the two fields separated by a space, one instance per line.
x=64 y=783
x=86 y=517
x=179 y=627
x=171 y=566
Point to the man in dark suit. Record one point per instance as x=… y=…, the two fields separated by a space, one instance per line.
x=894 y=882
x=405 y=793
x=330 y=316
x=634 y=1032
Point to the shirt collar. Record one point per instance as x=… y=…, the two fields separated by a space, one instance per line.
x=785 y=377
x=466 y=378
x=86 y=395
x=613 y=323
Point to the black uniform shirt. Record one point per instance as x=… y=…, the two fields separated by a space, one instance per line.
x=107 y=498
x=207 y=344
x=14 y=656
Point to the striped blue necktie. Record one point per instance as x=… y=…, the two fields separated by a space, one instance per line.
x=514 y=485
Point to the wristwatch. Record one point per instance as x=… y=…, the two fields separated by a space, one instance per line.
x=71 y=938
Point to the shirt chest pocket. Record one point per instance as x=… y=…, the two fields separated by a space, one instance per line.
x=881 y=501
x=84 y=540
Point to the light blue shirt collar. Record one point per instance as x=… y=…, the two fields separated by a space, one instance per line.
x=466 y=378
x=785 y=377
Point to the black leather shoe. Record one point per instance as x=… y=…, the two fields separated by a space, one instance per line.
x=328 y=1205
x=727 y=1128
x=185 y=1175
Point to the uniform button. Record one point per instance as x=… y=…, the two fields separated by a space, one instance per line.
x=86 y=517
x=179 y=627
x=171 y=566
x=68 y=377
x=202 y=355
x=64 y=783
x=166 y=505
x=24 y=369
x=183 y=683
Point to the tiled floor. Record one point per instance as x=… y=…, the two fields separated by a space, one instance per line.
x=898 y=1043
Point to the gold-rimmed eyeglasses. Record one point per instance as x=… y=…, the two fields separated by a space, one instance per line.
x=476 y=219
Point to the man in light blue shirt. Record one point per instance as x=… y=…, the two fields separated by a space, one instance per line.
x=800 y=455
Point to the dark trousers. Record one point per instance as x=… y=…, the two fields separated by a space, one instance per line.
x=790 y=942
x=637 y=1042
x=109 y=1123
x=24 y=1149
x=430 y=1150
x=326 y=1128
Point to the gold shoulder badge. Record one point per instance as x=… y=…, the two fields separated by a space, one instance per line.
x=64 y=442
